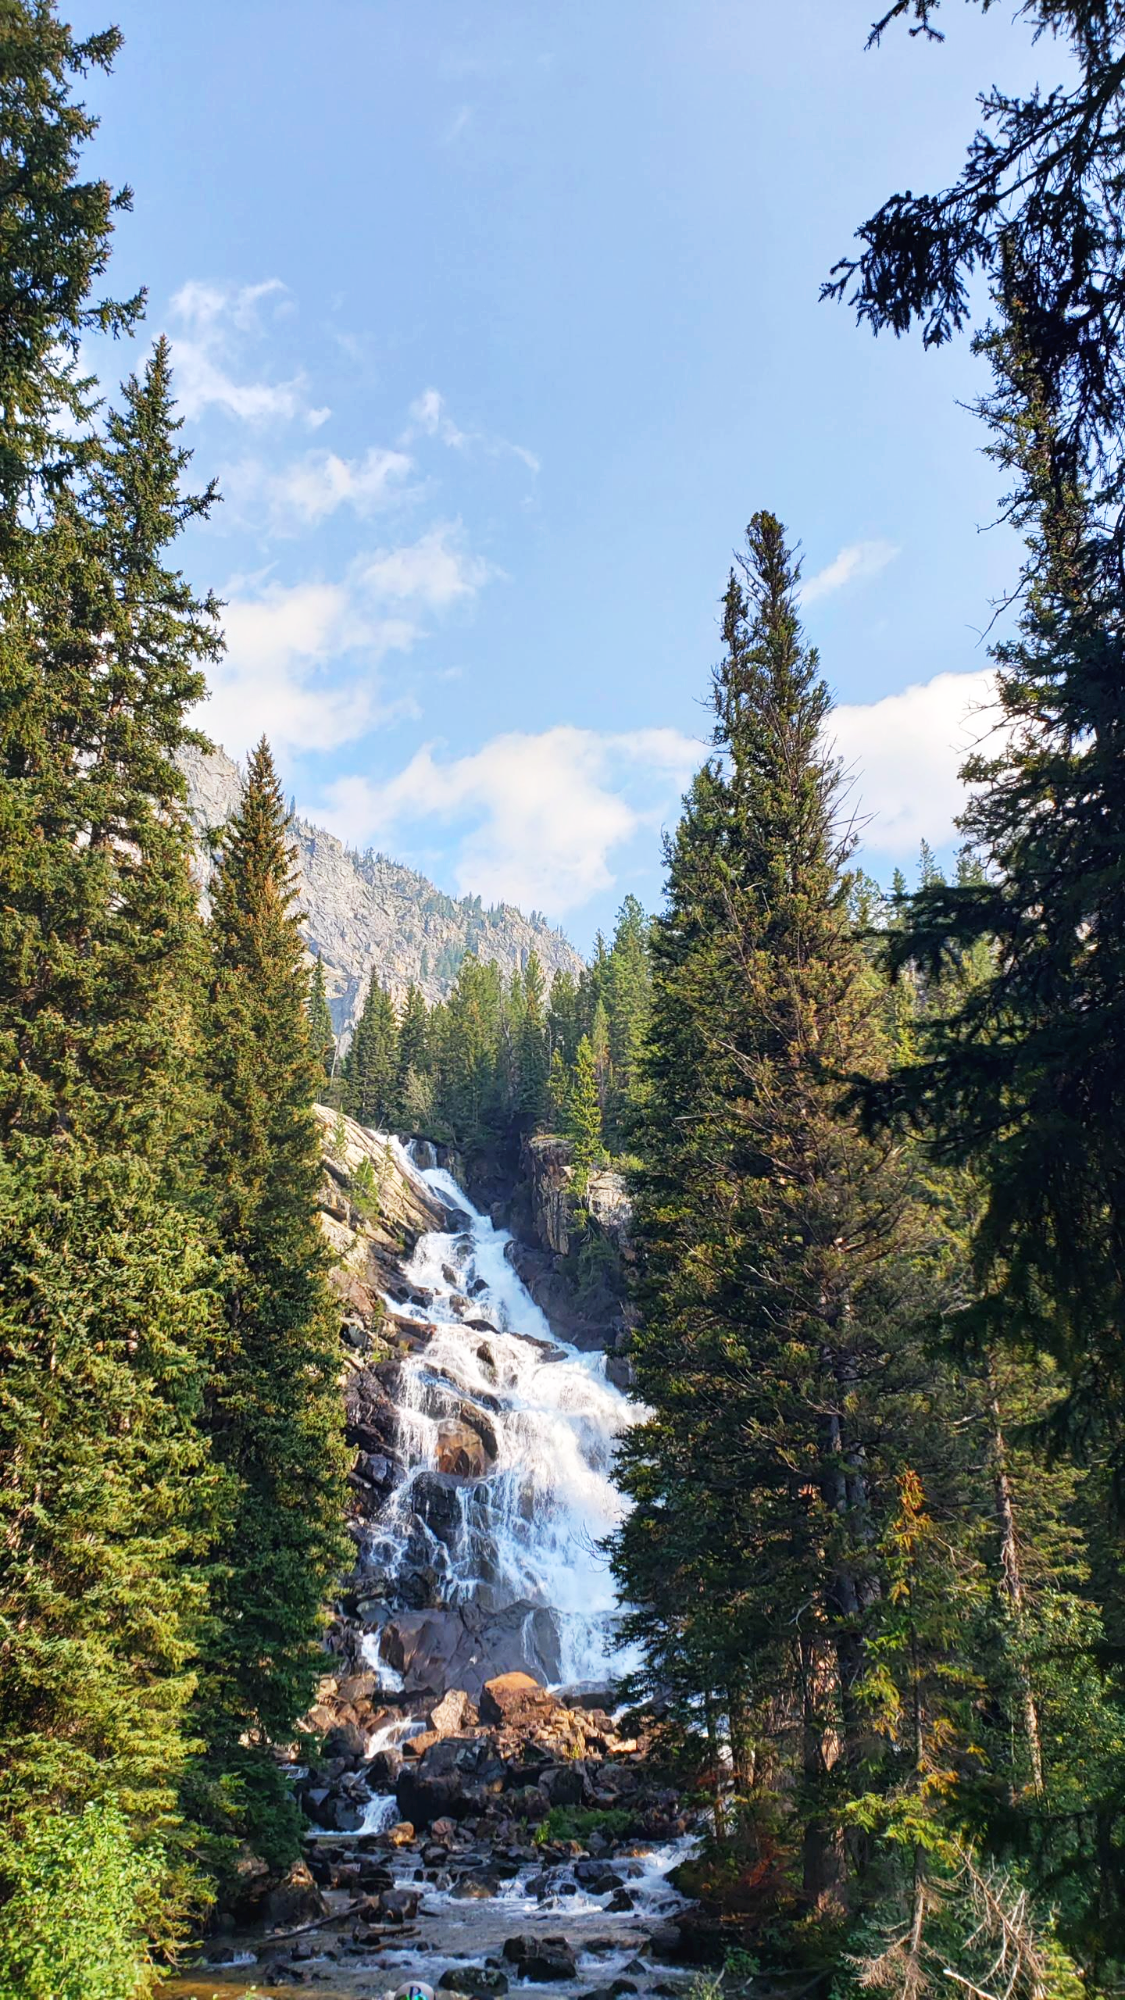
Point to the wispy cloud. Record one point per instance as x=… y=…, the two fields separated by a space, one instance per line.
x=461 y=120
x=289 y=498
x=854 y=564
x=210 y=326
x=903 y=754
x=540 y=815
x=430 y=417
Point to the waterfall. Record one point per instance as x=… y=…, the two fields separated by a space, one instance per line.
x=488 y=1546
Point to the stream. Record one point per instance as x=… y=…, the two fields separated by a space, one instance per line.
x=483 y=1560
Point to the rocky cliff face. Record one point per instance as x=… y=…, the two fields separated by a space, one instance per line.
x=366 y=914
x=574 y=1257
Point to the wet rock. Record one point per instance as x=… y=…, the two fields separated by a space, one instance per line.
x=399 y=1906
x=620 y=1902
x=474 y=1889
x=417 y=1746
x=295 y=1900
x=401 y=1834
x=543 y=1959
x=596 y=1877
x=620 y=1371
x=477 y=1982
x=461 y=1450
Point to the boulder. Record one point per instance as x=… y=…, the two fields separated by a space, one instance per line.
x=401 y=1834
x=476 y=1982
x=346 y=1740
x=295 y=1900
x=399 y=1906
x=515 y=1701
x=474 y=1889
x=462 y=1449
x=562 y=1784
x=454 y=1711
x=543 y=1959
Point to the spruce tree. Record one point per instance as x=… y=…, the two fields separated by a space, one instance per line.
x=105 y=1281
x=764 y=1226
x=371 y=1065
x=322 y=1035
x=1024 y=1078
x=584 y=1116
x=273 y=1412
x=533 y=1061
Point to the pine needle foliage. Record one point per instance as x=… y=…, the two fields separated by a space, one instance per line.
x=273 y=1409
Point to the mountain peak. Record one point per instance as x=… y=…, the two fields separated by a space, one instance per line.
x=366 y=914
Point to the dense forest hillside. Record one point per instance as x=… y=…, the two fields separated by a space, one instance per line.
x=363 y=911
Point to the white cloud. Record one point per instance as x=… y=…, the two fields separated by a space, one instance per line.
x=436 y=570
x=308 y=489
x=542 y=814
x=428 y=411
x=904 y=753
x=301 y=665
x=214 y=322
x=302 y=659
x=854 y=564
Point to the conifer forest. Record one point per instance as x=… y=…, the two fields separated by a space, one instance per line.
x=610 y=1480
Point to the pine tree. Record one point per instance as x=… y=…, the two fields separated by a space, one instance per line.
x=322 y=1035
x=584 y=1116
x=105 y=1281
x=371 y=1066
x=533 y=1061
x=412 y=1034
x=273 y=1413
x=1025 y=1078
x=765 y=1225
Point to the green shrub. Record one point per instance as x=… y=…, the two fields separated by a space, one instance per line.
x=579 y=1822
x=72 y=1926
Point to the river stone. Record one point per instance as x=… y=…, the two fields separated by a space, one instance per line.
x=543 y=1959
x=296 y=1900
x=478 y=1982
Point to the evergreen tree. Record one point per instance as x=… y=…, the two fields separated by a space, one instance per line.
x=322 y=1036
x=584 y=1116
x=533 y=1061
x=627 y=995
x=105 y=1304
x=765 y=1225
x=1025 y=1078
x=371 y=1067
x=412 y=1034
x=562 y=1016
x=273 y=1409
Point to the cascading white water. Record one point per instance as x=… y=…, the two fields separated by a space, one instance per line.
x=519 y=1531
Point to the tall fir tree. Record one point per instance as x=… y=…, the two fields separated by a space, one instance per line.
x=764 y=1228
x=273 y=1411
x=322 y=1035
x=105 y=1279
x=372 y=1064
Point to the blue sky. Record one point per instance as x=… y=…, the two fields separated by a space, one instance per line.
x=496 y=322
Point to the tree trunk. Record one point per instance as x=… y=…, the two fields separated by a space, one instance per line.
x=1012 y=1586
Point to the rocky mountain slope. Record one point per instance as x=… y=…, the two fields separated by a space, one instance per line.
x=365 y=913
